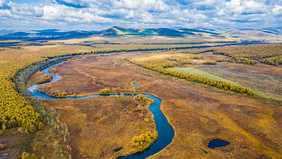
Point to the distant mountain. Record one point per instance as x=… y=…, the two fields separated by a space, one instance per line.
x=50 y=34
x=120 y=31
x=55 y=34
x=261 y=33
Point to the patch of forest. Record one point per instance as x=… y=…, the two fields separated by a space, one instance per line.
x=265 y=53
x=160 y=65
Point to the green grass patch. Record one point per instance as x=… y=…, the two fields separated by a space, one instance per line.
x=198 y=72
x=209 y=75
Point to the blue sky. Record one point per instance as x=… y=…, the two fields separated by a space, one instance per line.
x=102 y=14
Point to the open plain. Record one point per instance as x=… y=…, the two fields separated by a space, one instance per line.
x=197 y=113
x=140 y=79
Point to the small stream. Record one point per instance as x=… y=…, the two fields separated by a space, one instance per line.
x=164 y=129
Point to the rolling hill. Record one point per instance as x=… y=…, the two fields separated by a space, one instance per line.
x=55 y=34
x=120 y=31
x=49 y=34
x=259 y=33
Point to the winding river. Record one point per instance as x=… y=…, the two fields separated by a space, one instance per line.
x=164 y=129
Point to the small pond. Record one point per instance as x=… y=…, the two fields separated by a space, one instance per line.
x=118 y=149
x=217 y=143
x=136 y=84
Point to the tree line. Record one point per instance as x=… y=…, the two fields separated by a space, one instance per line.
x=265 y=53
x=273 y=60
x=18 y=108
x=160 y=65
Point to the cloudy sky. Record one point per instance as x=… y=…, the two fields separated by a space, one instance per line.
x=101 y=14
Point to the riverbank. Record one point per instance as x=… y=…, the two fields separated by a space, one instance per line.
x=197 y=113
x=164 y=129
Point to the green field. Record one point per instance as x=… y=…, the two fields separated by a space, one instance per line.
x=199 y=72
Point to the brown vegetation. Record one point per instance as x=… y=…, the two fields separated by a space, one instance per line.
x=16 y=111
x=260 y=77
x=99 y=125
x=268 y=54
x=197 y=113
x=160 y=64
x=38 y=78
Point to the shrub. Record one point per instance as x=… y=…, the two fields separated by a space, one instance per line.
x=25 y=155
x=46 y=79
x=62 y=94
x=245 y=61
x=33 y=156
x=40 y=125
x=159 y=66
x=273 y=61
x=146 y=120
x=268 y=54
x=209 y=63
x=144 y=140
x=105 y=91
x=141 y=97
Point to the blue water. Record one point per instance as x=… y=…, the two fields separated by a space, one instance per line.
x=117 y=150
x=136 y=84
x=164 y=129
x=217 y=143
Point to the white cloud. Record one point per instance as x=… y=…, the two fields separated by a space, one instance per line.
x=51 y=12
x=210 y=2
x=277 y=10
x=143 y=13
x=245 y=6
x=75 y=2
x=4 y=14
x=234 y=6
x=221 y=21
x=254 y=7
x=2 y=2
x=156 y=5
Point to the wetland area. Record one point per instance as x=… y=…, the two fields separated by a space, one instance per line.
x=198 y=114
x=140 y=79
x=141 y=101
x=164 y=129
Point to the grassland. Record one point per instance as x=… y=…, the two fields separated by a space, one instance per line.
x=198 y=72
x=15 y=110
x=253 y=80
x=44 y=143
x=100 y=125
x=196 y=112
x=161 y=61
x=259 y=80
x=37 y=78
x=262 y=79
